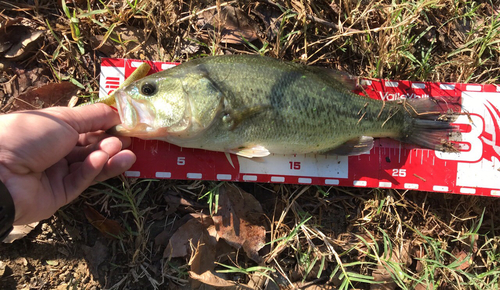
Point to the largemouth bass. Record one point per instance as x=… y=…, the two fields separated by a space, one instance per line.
x=254 y=106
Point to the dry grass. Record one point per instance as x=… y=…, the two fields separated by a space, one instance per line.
x=330 y=237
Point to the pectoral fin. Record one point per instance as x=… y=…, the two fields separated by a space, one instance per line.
x=355 y=146
x=233 y=118
x=251 y=151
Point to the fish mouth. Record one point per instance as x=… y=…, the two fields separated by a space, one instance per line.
x=137 y=116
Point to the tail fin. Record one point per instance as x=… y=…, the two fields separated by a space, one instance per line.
x=430 y=126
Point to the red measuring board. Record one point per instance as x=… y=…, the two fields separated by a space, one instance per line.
x=390 y=164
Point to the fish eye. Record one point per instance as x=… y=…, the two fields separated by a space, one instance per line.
x=148 y=89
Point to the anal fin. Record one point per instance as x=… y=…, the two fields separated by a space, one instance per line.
x=355 y=146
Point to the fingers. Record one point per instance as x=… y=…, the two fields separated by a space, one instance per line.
x=110 y=145
x=84 y=175
x=94 y=137
x=116 y=165
x=87 y=118
x=98 y=166
x=91 y=138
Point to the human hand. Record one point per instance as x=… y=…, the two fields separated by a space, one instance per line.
x=49 y=156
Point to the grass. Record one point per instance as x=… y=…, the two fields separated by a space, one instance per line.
x=335 y=237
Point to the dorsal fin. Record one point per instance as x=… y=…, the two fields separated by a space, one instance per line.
x=346 y=80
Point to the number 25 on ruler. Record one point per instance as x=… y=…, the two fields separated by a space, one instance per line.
x=399 y=172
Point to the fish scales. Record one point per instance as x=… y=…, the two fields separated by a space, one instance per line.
x=253 y=106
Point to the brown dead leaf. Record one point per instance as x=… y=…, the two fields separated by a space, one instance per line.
x=48 y=95
x=19 y=232
x=24 y=45
x=239 y=221
x=232 y=23
x=211 y=279
x=382 y=273
x=384 y=277
x=164 y=237
x=203 y=258
x=8 y=21
x=186 y=236
x=109 y=228
x=95 y=255
x=423 y=286
x=7 y=35
x=463 y=258
x=17 y=40
x=178 y=203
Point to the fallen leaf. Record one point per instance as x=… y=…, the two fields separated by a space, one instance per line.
x=384 y=277
x=271 y=19
x=211 y=279
x=8 y=21
x=21 y=82
x=3 y=266
x=72 y=102
x=423 y=286
x=462 y=258
x=178 y=203
x=52 y=262
x=109 y=228
x=17 y=40
x=239 y=221
x=49 y=95
x=8 y=36
x=19 y=232
x=232 y=23
x=187 y=46
x=95 y=255
x=188 y=234
x=203 y=258
x=163 y=237
x=24 y=45
x=382 y=274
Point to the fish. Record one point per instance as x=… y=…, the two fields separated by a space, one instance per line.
x=254 y=106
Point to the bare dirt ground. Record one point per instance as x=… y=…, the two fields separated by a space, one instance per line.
x=143 y=234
